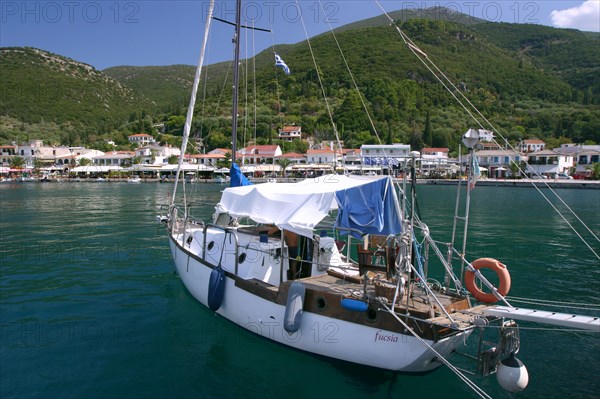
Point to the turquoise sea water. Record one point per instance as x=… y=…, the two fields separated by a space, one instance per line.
x=90 y=306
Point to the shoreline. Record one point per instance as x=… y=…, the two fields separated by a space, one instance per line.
x=524 y=183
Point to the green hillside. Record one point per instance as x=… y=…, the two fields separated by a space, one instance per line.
x=529 y=80
x=524 y=99
x=39 y=87
x=168 y=86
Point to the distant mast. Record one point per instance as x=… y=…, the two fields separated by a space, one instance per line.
x=236 y=71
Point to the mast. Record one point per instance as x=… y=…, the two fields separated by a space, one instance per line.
x=236 y=73
x=190 y=111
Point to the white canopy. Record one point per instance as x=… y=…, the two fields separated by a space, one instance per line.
x=298 y=207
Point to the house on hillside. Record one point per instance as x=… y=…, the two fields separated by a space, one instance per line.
x=290 y=133
x=141 y=139
x=531 y=145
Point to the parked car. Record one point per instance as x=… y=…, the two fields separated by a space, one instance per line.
x=563 y=176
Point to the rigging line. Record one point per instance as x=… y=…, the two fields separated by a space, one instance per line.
x=442 y=359
x=360 y=96
x=497 y=131
x=416 y=50
x=420 y=55
x=312 y=54
x=202 y=108
x=246 y=112
x=218 y=104
x=254 y=77
x=546 y=184
x=190 y=112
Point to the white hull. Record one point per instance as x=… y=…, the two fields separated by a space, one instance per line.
x=318 y=334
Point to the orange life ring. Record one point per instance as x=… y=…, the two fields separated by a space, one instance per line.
x=501 y=272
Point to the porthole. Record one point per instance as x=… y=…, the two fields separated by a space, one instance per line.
x=242 y=258
x=211 y=245
x=321 y=303
x=189 y=240
x=371 y=315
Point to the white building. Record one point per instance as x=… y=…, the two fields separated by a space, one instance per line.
x=141 y=139
x=290 y=133
x=260 y=153
x=156 y=154
x=549 y=163
x=531 y=145
x=585 y=160
x=116 y=158
x=498 y=162
x=322 y=156
x=384 y=155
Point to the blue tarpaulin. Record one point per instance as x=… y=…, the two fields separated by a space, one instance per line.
x=369 y=208
x=237 y=177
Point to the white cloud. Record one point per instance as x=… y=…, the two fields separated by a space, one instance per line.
x=584 y=17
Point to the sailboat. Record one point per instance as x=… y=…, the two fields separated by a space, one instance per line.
x=333 y=266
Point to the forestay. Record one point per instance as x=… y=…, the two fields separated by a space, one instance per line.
x=368 y=204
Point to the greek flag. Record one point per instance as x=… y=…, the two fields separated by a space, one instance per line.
x=279 y=63
x=476 y=172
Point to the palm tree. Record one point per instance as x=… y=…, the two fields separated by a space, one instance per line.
x=17 y=163
x=595 y=168
x=37 y=165
x=514 y=170
x=84 y=161
x=284 y=163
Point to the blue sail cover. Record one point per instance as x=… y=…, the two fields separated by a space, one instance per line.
x=237 y=177
x=369 y=208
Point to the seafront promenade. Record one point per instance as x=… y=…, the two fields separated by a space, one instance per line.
x=540 y=183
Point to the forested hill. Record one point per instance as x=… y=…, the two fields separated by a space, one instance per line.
x=39 y=87
x=529 y=80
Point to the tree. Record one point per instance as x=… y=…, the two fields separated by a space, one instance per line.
x=85 y=161
x=37 y=164
x=428 y=132
x=225 y=162
x=173 y=160
x=595 y=168
x=137 y=160
x=17 y=163
x=284 y=163
x=514 y=170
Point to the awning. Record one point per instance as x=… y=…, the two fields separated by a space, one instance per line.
x=366 y=203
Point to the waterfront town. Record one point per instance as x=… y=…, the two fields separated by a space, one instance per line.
x=150 y=160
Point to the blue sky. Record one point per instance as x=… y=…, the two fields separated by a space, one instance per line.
x=159 y=32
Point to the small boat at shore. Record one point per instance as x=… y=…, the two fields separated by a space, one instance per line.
x=134 y=179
